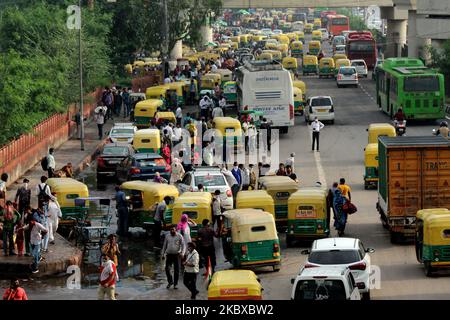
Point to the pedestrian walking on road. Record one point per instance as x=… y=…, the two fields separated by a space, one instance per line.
x=54 y=214
x=23 y=196
x=206 y=244
x=122 y=211
x=3 y=180
x=159 y=221
x=10 y=217
x=291 y=161
x=100 y=120
x=172 y=250
x=108 y=279
x=37 y=230
x=15 y=292
x=316 y=126
x=245 y=176
x=330 y=201
x=184 y=228
x=345 y=189
x=191 y=269
x=51 y=164
x=340 y=217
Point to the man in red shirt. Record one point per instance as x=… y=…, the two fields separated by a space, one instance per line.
x=108 y=279
x=15 y=292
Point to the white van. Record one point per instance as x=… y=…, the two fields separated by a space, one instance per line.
x=320 y=107
x=267 y=87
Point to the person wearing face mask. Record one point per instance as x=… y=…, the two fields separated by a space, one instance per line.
x=172 y=249
x=23 y=196
x=15 y=292
x=191 y=269
x=316 y=126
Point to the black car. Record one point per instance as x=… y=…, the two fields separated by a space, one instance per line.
x=111 y=156
x=143 y=166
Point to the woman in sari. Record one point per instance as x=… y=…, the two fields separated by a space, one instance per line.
x=340 y=217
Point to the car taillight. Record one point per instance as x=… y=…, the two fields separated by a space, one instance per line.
x=291 y=111
x=135 y=170
x=100 y=162
x=309 y=265
x=358 y=266
x=339 y=76
x=229 y=194
x=168 y=168
x=244 y=249
x=331 y=109
x=276 y=247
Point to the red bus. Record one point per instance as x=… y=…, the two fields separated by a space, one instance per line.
x=362 y=45
x=337 y=24
x=323 y=17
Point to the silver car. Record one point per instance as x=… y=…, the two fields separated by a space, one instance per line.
x=122 y=132
x=347 y=76
x=361 y=67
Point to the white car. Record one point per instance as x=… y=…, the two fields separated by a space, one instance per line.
x=361 y=67
x=325 y=34
x=343 y=252
x=267 y=32
x=320 y=107
x=340 y=49
x=347 y=76
x=122 y=132
x=325 y=283
x=212 y=179
x=277 y=31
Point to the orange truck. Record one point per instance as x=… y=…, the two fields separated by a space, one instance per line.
x=414 y=174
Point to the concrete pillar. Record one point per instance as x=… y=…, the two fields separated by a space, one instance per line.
x=395 y=38
x=177 y=50
x=416 y=45
x=206 y=33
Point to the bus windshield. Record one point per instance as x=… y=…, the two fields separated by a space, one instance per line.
x=424 y=84
x=339 y=21
x=361 y=46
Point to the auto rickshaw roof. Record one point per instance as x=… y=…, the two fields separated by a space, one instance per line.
x=193 y=200
x=315 y=193
x=234 y=279
x=327 y=59
x=249 y=216
x=423 y=213
x=151 y=188
x=227 y=121
x=165 y=115
x=255 y=195
x=298 y=91
x=371 y=148
x=149 y=103
x=278 y=182
x=147 y=132
x=66 y=184
x=314 y=42
x=434 y=226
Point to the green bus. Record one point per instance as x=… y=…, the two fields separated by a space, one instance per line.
x=407 y=83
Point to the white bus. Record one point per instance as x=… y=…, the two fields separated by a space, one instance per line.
x=267 y=87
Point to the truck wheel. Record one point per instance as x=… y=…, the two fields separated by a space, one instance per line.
x=366 y=186
x=428 y=268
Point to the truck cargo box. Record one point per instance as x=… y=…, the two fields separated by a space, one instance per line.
x=414 y=174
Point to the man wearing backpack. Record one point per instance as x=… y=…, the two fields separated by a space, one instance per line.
x=43 y=190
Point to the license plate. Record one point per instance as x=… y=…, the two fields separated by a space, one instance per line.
x=321 y=110
x=114 y=162
x=122 y=139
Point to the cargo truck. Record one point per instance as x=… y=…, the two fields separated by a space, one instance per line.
x=414 y=174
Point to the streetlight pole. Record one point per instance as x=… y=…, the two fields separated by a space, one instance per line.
x=81 y=84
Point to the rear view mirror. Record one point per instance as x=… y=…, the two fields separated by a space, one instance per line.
x=370 y=250
x=305 y=252
x=361 y=285
x=292 y=281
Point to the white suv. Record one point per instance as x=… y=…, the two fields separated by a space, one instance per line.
x=320 y=107
x=122 y=132
x=325 y=283
x=343 y=252
x=347 y=76
x=212 y=179
x=361 y=67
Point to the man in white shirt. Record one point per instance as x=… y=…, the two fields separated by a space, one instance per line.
x=167 y=80
x=179 y=114
x=291 y=161
x=204 y=104
x=217 y=112
x=222 y=102
x=51 y=164
x=213 y=68
x=54 y=213
x=177 y=131
x=35 y=242
x=169 y=132
x=316 y=126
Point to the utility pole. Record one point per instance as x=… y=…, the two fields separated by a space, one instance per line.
x=165 y=33
x=81 y=83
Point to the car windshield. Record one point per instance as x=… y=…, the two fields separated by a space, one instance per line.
x=115 y=151
x=347 y=71
x=210 y=180
x=320 y=289
x=358 y=64
x=334 y=257
x=158 y=162
x=122 y=131
x=321 y=102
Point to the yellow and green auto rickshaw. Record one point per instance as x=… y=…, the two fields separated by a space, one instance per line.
x=292 y=36
x=310 y=65
x=296 y=49
x=67 y=190
x=234 y=45
x=308 y=28
x=380 y=129
x=276 y=55
x=270 y=46
x=283 y=39
x=341 y=63
x=236 y=39
x=225 y=76
x=143 y=198
x=301 y=36
x=265 y=56
x=147 y=141
x=290 y=63
x=371 y=165
x=210 y=80
x=308 y=215
x=314 y=47
x=317 y=35
x=284 y=49
x=229 y=129
x=129 y=68
x=432 y=239
x=230 y=92
x=255 y=199
x=301 y=85
x=338 y=56
x=326 y=67
x=196 y=205
x=234 y=285
x=165 y=116
x=250 y=239
x=145 y=110
x=280 y=189
x=298 y=101
x=176 y=93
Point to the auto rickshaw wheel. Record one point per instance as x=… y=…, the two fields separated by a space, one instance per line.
x=366 y=185
x=428 y=268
